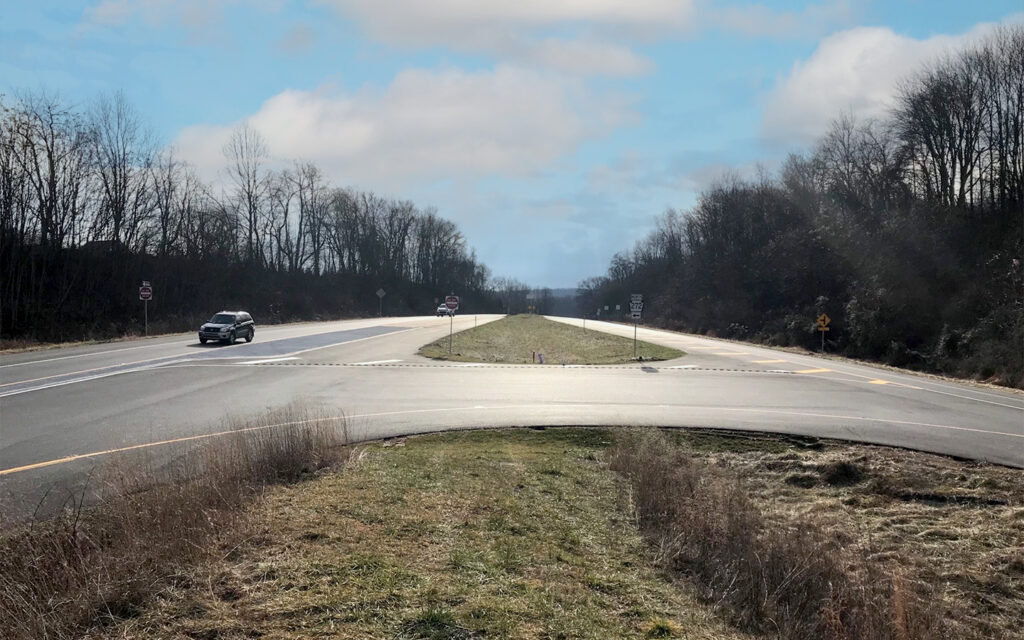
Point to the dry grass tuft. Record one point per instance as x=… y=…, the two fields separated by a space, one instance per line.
x=785 y=577
x=94 y=565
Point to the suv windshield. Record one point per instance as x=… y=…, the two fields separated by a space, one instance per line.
x=223 y=318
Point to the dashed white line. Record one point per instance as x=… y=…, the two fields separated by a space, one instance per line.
x=370 y=362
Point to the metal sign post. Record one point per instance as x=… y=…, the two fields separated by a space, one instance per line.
x=452 y=302
x=145 y=294
x=380 y=297
x=636 y=309
x=823 y=321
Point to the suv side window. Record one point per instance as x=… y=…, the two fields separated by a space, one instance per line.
x=246 y=317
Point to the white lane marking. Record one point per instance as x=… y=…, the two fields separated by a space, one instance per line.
x=51 y=385
x=158 y=366
x=369 y=362
x=780 y=371
x=472 y=364
x=325 y=346
x=269 y=360
x=84 y=355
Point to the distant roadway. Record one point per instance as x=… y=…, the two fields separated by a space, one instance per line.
x=61 y=409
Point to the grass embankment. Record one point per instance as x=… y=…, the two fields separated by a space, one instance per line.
x=516 y=339
x=571 y=533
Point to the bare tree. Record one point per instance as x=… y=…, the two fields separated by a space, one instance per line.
x=123 y=154
x=246 y=152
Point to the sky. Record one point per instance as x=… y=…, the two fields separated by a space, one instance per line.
x=553 y=132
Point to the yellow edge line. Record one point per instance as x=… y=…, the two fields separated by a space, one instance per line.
x=106 y=452
x=812 y=371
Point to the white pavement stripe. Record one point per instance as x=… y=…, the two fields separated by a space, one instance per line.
x=375 y=362
x=265 y=361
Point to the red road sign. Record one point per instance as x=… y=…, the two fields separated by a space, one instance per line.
x=452 y=302
x=145 y=293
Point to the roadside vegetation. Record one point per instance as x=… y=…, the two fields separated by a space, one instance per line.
x=572 y=533
x=524 y=339
x=90 y=207
x=907 y=231
x=479 y=534
x=108 y=552
x=818 y=539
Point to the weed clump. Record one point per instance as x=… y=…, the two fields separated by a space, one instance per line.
x=96 y=564
x=792 y=580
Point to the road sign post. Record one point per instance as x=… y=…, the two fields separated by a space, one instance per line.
x=380 y=298
x=636 y=309
x=823 y=322
x=452 y=302
x=145 y=294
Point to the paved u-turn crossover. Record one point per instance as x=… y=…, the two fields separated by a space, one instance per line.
x=61 y=409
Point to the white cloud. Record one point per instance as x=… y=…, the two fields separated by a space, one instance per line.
x=759 y=20
x=585 y=37
x=416 y=22
x=425 y=125
x=856 y=71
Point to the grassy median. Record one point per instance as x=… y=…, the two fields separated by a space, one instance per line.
x=525 y=339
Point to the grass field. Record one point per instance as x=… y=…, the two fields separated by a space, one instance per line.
x=516 y=339
x=514 y=534
x=531 y=534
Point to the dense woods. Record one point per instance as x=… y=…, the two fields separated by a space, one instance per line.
x=90 y=207
x=907 y=231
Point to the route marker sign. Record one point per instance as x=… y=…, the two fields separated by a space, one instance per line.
x=636 y=309
x=380 y=293
x=636 y=305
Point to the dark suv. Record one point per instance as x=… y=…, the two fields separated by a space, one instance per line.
x=228 y=326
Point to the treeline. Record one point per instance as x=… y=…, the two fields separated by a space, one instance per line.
x=908 y=232
x=90 y=207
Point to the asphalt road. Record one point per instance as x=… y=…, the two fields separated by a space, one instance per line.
x=60 y=407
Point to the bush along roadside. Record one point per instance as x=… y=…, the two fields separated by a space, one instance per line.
x=795 y=582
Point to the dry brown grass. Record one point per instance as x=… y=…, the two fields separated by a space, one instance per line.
x=778 y=576
x=954 y=527
x=476 y=534
x=93 y=565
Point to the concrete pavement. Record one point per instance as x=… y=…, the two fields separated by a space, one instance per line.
x=78 y=401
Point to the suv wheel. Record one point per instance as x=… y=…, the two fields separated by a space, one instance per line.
x=252 y=332
x=202 y=340
x=231 y=338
